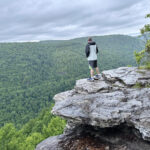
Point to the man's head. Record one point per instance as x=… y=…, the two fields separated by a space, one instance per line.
x=89 y=39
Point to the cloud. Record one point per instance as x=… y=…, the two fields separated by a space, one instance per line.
x=63 y=19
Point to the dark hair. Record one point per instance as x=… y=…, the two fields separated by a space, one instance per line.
x=89 y=39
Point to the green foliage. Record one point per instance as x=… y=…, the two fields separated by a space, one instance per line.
x=6 y=134
x=147 y=48
x=137 y=85
x=55 y=127
x=129 y=65
x=148 y=16
x=139 y=56
x=146 y=28
x=145 y=53
x=147 y=65
x=32 y=140
x=32 y=133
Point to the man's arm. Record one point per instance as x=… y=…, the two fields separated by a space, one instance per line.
x=87 y=50
x=96 y=49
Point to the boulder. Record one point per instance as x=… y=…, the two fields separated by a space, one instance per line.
x=119 y=99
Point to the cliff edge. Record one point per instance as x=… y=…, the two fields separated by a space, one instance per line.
x=112 y=113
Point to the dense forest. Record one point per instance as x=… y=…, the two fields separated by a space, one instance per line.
x=31 y=133
x=32 y=73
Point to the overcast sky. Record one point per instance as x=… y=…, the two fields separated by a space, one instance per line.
x=25 y=20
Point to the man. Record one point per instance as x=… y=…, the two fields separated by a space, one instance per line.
x=91 y=51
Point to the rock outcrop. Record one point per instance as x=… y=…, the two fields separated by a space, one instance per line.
x=110 y=113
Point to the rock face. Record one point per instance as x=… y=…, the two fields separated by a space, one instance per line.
x=120 y=99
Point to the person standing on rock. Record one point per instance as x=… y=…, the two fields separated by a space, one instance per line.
x=91 y=52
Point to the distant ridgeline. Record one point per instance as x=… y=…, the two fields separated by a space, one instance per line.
x=32 y=73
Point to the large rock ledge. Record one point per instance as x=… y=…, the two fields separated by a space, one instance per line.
x=113 y=101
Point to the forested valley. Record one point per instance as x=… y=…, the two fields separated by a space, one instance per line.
x=31 y=73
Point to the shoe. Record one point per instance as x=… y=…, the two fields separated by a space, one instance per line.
x=97 y=77
x=91 y=79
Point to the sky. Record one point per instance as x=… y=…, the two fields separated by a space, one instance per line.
x=33 y=20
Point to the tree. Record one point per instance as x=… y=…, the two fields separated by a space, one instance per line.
x=32 y=140
x=6 y=135
x=146 y=28
x=146 y=52
x=55 y=127
x=139 y=56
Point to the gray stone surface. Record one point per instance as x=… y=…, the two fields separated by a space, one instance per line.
x=106 y=103
x=62 y=96
x=127 y=75
x=101 y=104
x=51 y=143
x=108 y=109
x=83 y=87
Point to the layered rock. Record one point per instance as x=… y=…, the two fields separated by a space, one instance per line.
x=120 y=98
